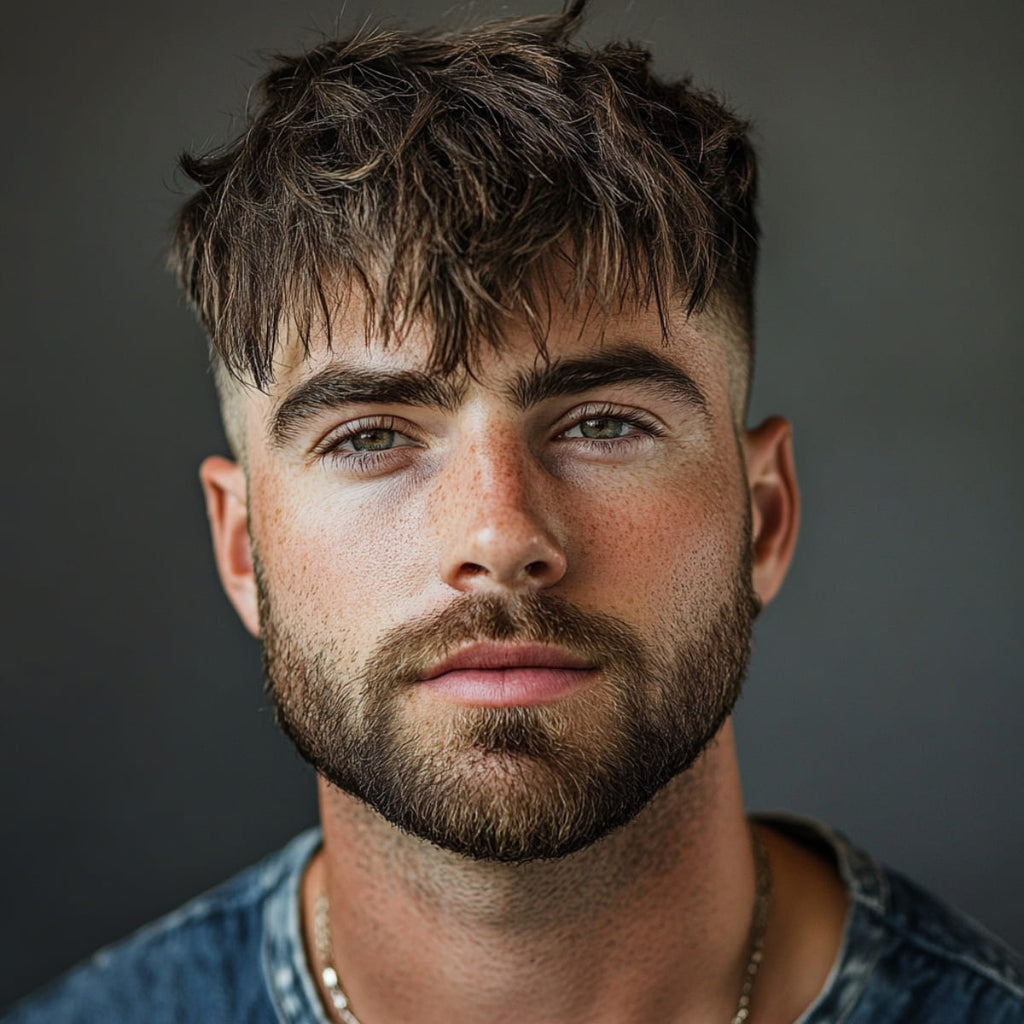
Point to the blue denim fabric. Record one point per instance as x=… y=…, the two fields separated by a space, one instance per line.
x=235 y=954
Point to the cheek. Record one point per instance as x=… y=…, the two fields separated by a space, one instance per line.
x=334 y=560
x=636 y=548
x=641 y=551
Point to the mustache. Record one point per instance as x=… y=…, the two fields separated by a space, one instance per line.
x=407 y=651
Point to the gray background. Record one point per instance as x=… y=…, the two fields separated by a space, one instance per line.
x=140 y=761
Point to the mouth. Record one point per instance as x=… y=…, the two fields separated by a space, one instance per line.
x=506 y=675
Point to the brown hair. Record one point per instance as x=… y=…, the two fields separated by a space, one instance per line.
x=445 y=175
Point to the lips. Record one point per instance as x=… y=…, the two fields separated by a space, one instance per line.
x=505 y=656
x=503 y=675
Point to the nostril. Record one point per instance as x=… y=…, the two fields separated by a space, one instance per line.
x=518 y=560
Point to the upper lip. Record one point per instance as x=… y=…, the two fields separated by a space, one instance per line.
x=497 y=656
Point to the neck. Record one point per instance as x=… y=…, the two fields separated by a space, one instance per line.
x=650 y=924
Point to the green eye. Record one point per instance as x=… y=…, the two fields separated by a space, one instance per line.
x=603 y=428
x=377 y=440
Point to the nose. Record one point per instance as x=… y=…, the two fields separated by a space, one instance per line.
x=497 y=534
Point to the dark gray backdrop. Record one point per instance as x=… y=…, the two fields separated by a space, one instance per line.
x=140 y=760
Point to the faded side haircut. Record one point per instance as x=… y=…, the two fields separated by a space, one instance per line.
x=462 y=178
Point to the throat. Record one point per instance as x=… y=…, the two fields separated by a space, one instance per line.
x=664 y=852
x=657 y=914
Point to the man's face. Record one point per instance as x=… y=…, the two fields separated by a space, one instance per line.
x=504 y=609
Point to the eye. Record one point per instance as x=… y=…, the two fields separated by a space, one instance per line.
x=377 y=439
x=610 y=425
x=600 y=428
x=367 y=446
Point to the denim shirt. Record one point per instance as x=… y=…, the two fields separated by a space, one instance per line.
x=236 y=954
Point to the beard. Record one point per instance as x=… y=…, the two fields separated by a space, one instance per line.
x=515 y=783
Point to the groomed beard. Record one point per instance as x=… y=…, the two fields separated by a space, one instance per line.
x=514 y=783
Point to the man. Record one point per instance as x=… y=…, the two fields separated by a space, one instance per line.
x=480 y=308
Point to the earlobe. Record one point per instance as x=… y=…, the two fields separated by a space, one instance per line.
x=774 y=503
x=224 y=487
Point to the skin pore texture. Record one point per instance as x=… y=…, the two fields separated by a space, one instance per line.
x=630 y=494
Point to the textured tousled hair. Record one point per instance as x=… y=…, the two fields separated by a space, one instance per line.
x=463 y=178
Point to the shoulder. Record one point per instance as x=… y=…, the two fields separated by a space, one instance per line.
x=202 y=962
x=939 y=964
x=907 y=956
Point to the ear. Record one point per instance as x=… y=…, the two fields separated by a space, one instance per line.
x=774 y=502
x=224 y=487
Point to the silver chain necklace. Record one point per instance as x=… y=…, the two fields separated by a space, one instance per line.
x=758 y=928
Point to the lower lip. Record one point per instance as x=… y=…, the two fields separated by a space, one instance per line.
x=507 y=687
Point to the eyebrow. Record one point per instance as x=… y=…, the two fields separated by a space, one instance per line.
x=341 y=385
x=622 y=364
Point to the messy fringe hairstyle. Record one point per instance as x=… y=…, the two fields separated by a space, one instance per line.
x=463 y=178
